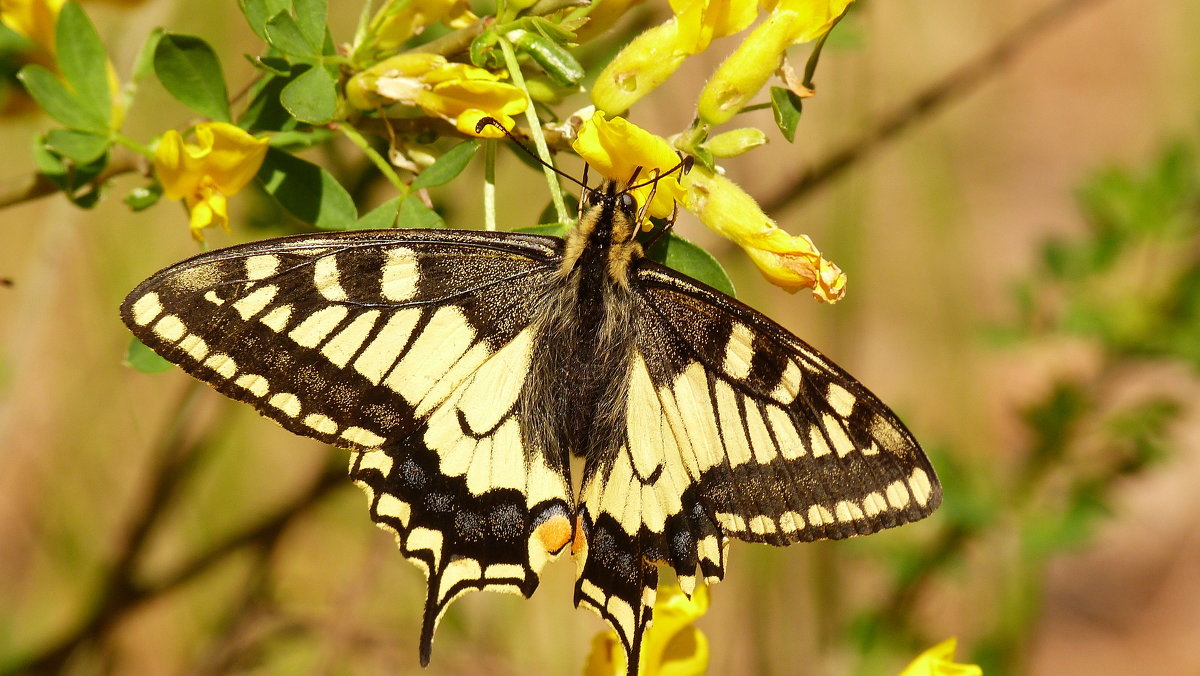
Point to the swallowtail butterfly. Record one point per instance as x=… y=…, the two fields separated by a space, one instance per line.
x=465 y=368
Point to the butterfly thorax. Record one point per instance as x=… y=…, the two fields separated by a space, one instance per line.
x=586 y=324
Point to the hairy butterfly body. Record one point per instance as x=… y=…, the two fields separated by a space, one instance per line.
x=465 y=368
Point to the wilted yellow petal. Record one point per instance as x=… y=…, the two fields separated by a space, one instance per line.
x=207 y=209
x=702 y=21
x=602 y=16
x=616 y=148
x=790 y=262
x=939 y=661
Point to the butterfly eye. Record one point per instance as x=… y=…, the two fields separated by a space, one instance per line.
x=628 y=203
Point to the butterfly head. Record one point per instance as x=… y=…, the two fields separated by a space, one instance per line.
x=604 y=238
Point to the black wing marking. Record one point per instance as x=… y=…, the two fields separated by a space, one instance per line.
x=408 y=346
x=736 y=428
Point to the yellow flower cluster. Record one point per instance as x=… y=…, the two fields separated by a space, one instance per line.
x=939 y=661
x=221 y=161
x=616 y=147
x=456 y=92
x=657 y=53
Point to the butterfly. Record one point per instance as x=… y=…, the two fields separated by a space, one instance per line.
x=465 y=369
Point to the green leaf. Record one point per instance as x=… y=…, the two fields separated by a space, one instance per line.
x=311 y=97
x=284 y=34
x=381 y=217
x=190 y=70
x=143 y=197
x=447 y=166
x=78 y=146
x=141 y=358
x=265 y=112
x=310 y=19
x=143 y=65
x=59 y=102
x=786 y=106
x=307 y=191
x=415 y=215
x=83 y=61
x=73 y=178
x=679 y=254
x=258 y=12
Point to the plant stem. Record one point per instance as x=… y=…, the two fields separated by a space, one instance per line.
x=380 y=163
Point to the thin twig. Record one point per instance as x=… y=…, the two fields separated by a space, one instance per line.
x=35 y=186
x=956 y=85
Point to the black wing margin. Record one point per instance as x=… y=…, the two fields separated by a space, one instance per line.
x=736 y=428
x=409 y=347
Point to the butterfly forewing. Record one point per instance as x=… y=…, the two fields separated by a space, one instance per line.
x=411 y=347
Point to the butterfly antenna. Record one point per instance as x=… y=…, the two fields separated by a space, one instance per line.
x=663 y=230
x=493 y=122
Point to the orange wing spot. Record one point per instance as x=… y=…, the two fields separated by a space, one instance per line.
x=554 y=533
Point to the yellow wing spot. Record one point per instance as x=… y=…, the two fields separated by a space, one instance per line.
x=897 y=495
x=345 y=344
x=212 y=297
x=146 y=308
x=502 y=570
x=195 y=347
x=848 y=510
x=762 y=525
x=362 y=437
x=494 y=388
x=837 y=434
x=317 y=326
x=459 y=570
x=786 y=435
x=819 y=516
x=222 y=364
x=286 y=402
x=255 y=384
x=170 y=328
x=321 y=423
x=873 y=449
x=921 y=487
x=400 y=275
x=739 y=351
x=262 y=266
x=733 y=523
x=622 y=614
x=737 y=447
x=378 y=357
x=327 y=279
x=376 y=460
x=254 y=302
x=874 y=504
x=432 y=354
x=887 y=434
x=687 y=584
x=817 y=440
x=707 y=549
x=791 y=522
x=428 y=539
x=392 y=506
x=760 y=438
x=789 y=384
x=698 y=419
x=277 y=319
x=840 y=399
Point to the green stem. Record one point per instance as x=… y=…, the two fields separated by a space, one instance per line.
x=535 y=130
x=380 y=163
x=489 y=185
x=136 y=147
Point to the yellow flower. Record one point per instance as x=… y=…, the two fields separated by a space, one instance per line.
x=456 y=92
x=616 y=148
x=745 y=72
x=218 y=164
x=671 y=646
x=939 y=661
x=399 y=20
x=33 y=19
x=787 y=261
x=656 y=54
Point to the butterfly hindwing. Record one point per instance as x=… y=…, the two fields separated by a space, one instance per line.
x=410 y=347
x=736 y=428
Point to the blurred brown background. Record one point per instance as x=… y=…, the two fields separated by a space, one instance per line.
x=932 y=228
